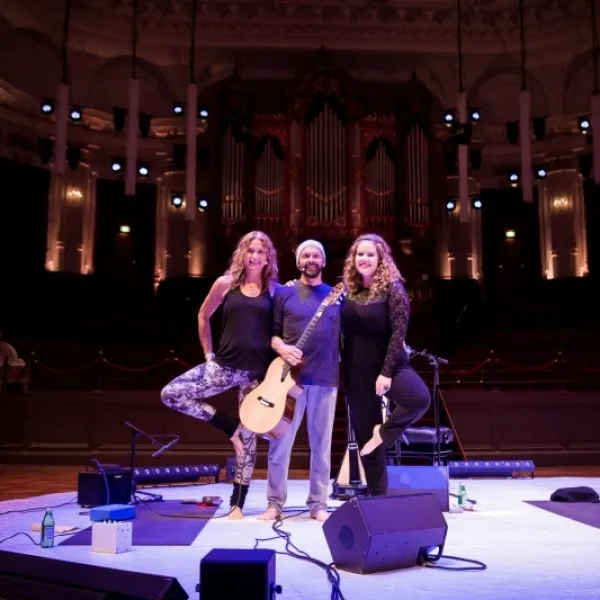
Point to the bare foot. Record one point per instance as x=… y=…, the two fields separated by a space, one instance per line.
x=373 y=443
x=236 y=440
x=236 y=514
x=271 y=514
x=320 y=515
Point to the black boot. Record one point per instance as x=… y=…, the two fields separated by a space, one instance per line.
x=224 y=422
x=238 y=496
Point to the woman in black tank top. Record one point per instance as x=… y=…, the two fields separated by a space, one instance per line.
x=245 y=291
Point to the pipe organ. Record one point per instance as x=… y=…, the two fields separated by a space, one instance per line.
x=269 y=184
x=233 y=178
x=326 y=183
x=380 y=184
x=416 y=176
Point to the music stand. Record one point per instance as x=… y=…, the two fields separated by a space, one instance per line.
x=135 y=434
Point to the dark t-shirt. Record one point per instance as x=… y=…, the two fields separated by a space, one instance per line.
x=294 y=307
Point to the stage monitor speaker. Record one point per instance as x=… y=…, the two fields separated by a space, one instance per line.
x=421 y=478
x=385 y=533
x=238 y=573
x=26 y=577
x=91 y=487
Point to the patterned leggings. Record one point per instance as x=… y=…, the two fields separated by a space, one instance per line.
x=187 y=392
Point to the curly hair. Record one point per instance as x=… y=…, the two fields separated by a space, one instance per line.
x=236 y=270
x=386 y=273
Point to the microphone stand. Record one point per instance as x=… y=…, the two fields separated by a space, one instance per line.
x=435 y=362
x=135 y=434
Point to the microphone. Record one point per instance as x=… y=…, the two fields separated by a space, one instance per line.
x=166 y=447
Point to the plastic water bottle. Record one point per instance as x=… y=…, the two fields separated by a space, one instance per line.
x=47 y=537
x=462 y=496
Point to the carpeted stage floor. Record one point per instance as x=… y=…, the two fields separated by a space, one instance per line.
x=530 y=552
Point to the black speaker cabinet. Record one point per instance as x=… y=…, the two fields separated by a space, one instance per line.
x=25 y=577
x=238 y=573
x=385 y=533
x=91 y=488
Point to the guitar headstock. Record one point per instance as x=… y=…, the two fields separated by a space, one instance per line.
x=336 y=293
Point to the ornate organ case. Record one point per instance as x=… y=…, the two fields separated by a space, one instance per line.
x=320 y=157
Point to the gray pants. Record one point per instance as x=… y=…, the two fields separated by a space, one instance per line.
x=319 y=403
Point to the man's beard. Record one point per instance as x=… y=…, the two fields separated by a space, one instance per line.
x=311 y=270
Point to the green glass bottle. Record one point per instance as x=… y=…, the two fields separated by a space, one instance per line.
x=47 y=537
x=462 y=495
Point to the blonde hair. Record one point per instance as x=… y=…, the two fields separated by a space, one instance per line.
x=236 y=270
x=386 y=273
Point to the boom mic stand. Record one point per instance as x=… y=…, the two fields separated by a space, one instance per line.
x=135 y=434
x=435 y=362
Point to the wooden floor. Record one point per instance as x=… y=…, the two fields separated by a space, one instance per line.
x=18 y=481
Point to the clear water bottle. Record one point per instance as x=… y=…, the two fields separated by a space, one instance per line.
x=462 y=496
x=47 y=537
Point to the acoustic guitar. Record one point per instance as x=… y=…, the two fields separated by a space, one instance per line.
x=269 y=408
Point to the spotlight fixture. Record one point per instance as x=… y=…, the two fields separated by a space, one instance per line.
x=476 y=203
x=143 y=171
x=116 y=166
x=124 y=229
x=584 y=124
x=513 y=177
x=75 y=114
x=510 y=234
x=47 y=107
x=202 y=204
x=203 y=113
x=450 y=205
x=119 y=116
x=449 y=118
x=540 y=173
x=177 y=200
x=178 y=109
x=475 y=115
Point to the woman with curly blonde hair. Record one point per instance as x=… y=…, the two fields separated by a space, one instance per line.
x=375 y=315
x=246 y=293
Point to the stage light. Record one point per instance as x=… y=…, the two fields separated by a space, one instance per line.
x=143 y=171
x=450 y=205
x=476 y=203
x=177 y=200
x=116 y=166
x=513 y=177
x=510 y=234
x=178 y=109
x=75 y=115
x=584 y=124
x=203 y=113
x=178 y=474
x=475 y=115
x=202 y=204
x=541 y=173
x=124 y=229
x=119 y=115
x=145 y=120
x=449 y=117
x=47 y=107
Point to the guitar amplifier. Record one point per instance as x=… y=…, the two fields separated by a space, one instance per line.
x=91 y=488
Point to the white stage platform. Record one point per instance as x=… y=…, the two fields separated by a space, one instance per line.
x=529 y=552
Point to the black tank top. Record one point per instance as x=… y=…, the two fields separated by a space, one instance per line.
x=246 y=331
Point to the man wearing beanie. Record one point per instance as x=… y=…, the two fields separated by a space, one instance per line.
x=294 y=307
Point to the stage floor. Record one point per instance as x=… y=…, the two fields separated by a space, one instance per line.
x=529 y=552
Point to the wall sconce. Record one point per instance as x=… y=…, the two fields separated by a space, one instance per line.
x=561 y=204
x=74 y=195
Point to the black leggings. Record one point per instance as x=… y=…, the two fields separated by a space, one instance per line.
x=411 y=398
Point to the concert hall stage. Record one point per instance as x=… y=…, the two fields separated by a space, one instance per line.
x=529 y=552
